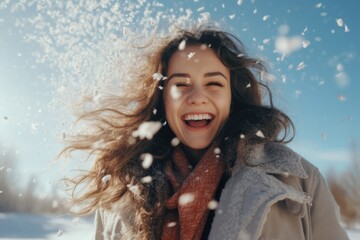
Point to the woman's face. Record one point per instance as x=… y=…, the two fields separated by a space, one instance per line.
x=197 y=96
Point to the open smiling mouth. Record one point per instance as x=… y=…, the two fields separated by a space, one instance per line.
x=198 y=120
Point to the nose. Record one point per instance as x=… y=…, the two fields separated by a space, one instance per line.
x=197 y=96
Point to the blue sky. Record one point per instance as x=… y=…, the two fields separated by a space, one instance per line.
x=321 y=97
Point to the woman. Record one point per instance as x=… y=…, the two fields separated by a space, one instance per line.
x=200 y=156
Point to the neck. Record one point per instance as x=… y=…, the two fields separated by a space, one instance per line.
x=194 y=155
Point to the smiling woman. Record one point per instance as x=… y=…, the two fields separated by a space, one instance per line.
x=218 y=170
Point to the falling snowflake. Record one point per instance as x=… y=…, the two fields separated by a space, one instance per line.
x=147 y=160
x=134 y=189
x=106 y=178
x=305 y=43
x=346 y=28
x=182 y=45
x=248 y=85
x=171 y=224
x=190 y=55
x=186 y=198
x=242 y=136
x=147 y=130
x=158 y=76
x=174 y=92
x=232 y=16
x=175 y=141
x=339 y=22
x=341 y=98
x=266 y=17
x=146 y=179
x=240 y=55
x=217 y=150
x=300 y=66
x=59 y=233
x=239 y=2
x=260 y=134
x=213 y=204
x=319 y=5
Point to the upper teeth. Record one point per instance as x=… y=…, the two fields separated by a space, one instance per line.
x=198 y=116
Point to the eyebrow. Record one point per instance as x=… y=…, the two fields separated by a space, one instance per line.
x=186 y=75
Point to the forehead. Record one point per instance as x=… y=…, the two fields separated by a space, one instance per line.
x=195 y=57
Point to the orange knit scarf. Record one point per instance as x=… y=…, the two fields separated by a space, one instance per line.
x=193 y=190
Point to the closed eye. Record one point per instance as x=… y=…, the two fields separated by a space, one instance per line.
x=219 y=84
x=180 y=84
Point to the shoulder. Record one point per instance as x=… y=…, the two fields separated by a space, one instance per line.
x=274 y=158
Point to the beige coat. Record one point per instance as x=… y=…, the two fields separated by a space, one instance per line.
x=275 y=195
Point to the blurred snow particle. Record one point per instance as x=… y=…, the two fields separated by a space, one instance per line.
x=154 y=111
x=267 y=76
x=134 y=189
x=286 y=46
x=323 y=136
x=319 y=5
x=305 y=43
x=186 y=198
x=190 y=55
x=260 y=134
x=339 y=67
x=174 y=92
x=182 y=45
x=213 y=204
x=147 y=130
x=105 y=178
x=341 y=98
x=300 y=66
x=242 y=136
x=323 y=14
x=266 y=41
x=157 y=76
x=239 y=2
x=240 y=55
x=255 y=11
x=283 y=29
x=266 y=17
x=232 y=16
x=346 y=28
x=175 y=141
x=297 y=93
x=55 y=204
x=59 y=233
x=34 y=127
x=339 y=22
x=342 y=79
x=248 y=85
x=217 y=151
x=146 y=179
x=321 y=83
x=147 y=160
x=171 y=224
x=303 y=32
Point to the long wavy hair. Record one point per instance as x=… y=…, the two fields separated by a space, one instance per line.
x=116 y=176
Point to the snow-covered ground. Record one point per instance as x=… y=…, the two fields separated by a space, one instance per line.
x=27 y=226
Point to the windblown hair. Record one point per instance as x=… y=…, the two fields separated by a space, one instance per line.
x=119 y=155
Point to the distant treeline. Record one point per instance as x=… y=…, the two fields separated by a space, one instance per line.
x=28 y=199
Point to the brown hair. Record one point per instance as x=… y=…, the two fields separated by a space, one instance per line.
x=120 y=155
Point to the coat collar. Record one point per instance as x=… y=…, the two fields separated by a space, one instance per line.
x=271 y=158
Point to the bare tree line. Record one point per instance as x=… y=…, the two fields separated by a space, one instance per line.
x=14 y=198
x=346 y=189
